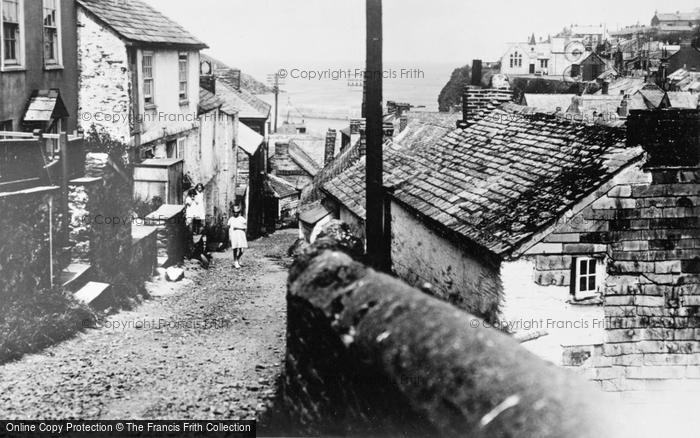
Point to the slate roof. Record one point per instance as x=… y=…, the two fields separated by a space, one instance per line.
x=208 y=101
x=508 y=176
x=548 y=102
x=683 y=99
x=248 y=105
x=45 y=105
x=422 y=130
x=280 y=188
x=138 y=22
x=303 y=159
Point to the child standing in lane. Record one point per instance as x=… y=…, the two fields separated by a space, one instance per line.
x=236 y=231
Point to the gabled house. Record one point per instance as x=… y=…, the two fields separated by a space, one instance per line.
x=292 y=159
x=687 y=58
x=128 y=53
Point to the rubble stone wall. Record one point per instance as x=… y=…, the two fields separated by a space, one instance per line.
x=104 y=78
x=368 y=353
x=420 y=255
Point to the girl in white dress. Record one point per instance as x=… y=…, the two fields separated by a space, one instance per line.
x=236 y=232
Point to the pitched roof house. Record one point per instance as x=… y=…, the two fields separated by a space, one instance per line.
x=127 y=53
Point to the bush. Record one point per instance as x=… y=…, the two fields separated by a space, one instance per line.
x=32 y=321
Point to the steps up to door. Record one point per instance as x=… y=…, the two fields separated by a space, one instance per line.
x=74 y=276
x=92 y=292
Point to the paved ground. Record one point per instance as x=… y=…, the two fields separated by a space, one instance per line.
x=209 y=347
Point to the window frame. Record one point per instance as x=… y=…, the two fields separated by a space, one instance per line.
x=183 y=56
x=18 y=63
x=151 y=79
x=57 y=61
x=578 y=274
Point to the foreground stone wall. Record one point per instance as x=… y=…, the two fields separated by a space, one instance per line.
x=368 y=354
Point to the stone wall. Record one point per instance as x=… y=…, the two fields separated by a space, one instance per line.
x=419 y=255
x=652 y=291
x=369 y=355
x=104 y=79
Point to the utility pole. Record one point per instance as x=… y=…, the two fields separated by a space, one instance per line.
x=374 y=225
x=275 y=80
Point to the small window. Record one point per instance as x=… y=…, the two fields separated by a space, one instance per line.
x=180 y=147
x=183 y=74
x=147 y=68
x=11 y=32
x=52 y=38
x=585 y=277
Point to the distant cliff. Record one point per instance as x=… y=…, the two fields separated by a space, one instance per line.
x=253 y=85
x=451 y=94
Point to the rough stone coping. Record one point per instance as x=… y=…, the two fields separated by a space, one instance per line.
x=140 y=232
x=31 y=191
x=165 y=212
x=465 y=379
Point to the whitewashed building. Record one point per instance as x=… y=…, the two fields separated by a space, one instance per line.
x=139 y=77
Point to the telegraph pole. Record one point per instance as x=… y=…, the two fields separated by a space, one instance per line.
x=374 y=225
x=275 y=81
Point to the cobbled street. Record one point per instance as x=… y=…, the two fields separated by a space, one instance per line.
x=208 y=347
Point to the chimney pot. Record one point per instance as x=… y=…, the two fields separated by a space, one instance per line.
x=476 y=72
x=329 y=152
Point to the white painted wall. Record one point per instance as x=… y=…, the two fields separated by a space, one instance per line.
x=420 y=255
x=530 y=307
x=169 y=116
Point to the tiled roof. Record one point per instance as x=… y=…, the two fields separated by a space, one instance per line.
x=683 y=99
x=423 y=129
x=504 y=178
x=208 y=101
x=234 y=102
x=549 y=102
x=346 y=158
x=249 y=106
x=281 y=188
x=136 y=21
x=303 y=159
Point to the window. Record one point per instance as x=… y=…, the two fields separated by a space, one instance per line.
x=516 y=60
x=544 y=63
x=5 y=125
x=52 y=37
x=11 y=32
x=585 y=277
x=180 y=147
x=183 y=72
x=147 y=68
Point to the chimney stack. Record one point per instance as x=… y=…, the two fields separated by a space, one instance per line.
x=330 y=146
x=476 y=72
x=669 y=136
x=208 y=82
x=623 y=111
x=282 y=148
x=356 y=125
x=403 y=122
x=606 y=87
x=236 y=79
x=388 y=130
x=363 y=142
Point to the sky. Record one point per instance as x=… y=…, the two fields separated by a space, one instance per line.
x=257 y=35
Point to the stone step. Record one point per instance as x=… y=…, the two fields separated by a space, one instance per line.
x=74 y=276
x=90 y=293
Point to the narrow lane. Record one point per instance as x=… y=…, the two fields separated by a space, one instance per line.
x=209 y=347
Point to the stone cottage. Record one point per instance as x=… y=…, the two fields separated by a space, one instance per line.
x=128 y=54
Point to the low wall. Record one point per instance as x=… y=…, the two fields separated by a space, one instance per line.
x=369 y=355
